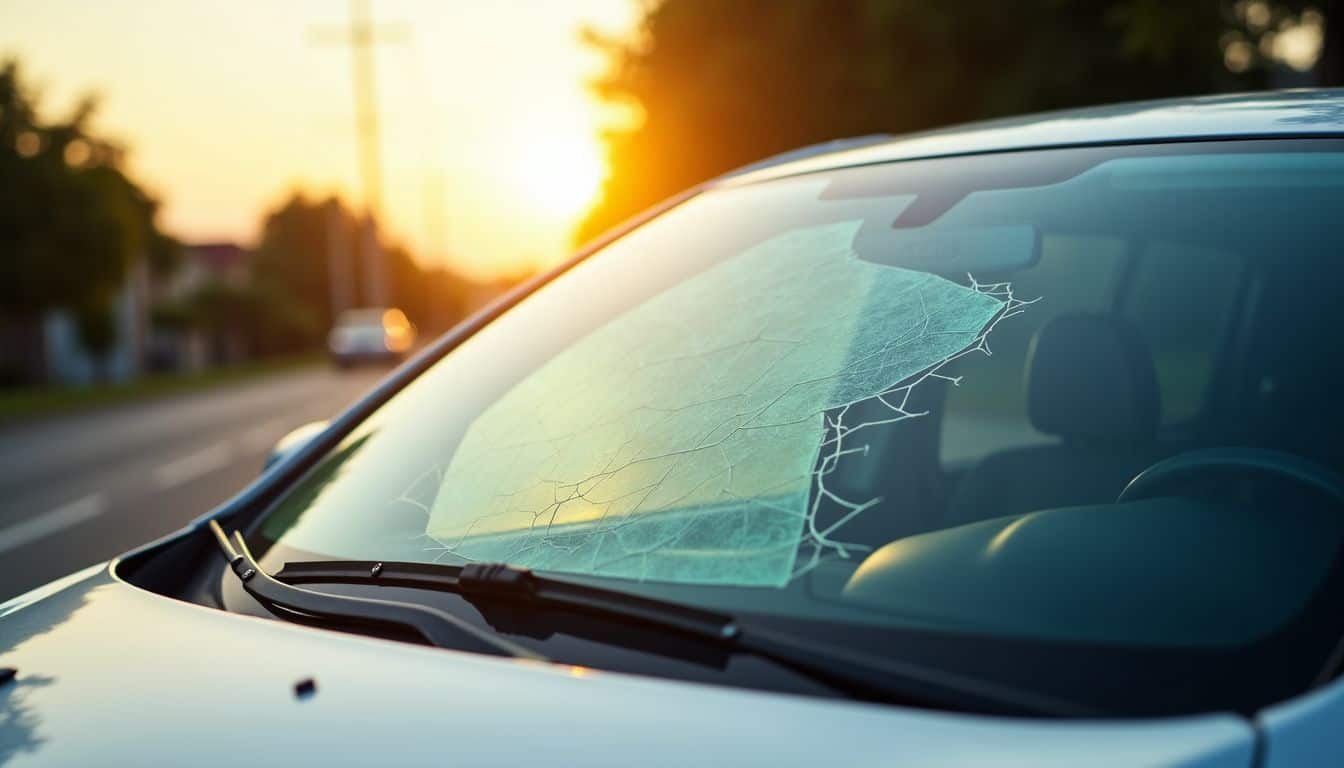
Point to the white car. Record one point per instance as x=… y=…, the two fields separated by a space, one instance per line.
x=370 y=335
x=1012 y=444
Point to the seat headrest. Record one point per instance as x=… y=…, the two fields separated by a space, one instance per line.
x=1091 y=376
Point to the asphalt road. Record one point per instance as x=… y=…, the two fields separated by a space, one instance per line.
x=80 y=489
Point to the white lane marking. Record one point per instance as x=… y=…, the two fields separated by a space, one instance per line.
x=47 y=523
x=193 y=465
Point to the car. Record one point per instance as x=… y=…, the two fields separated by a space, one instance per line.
x=370 y=335
x=1011 y=444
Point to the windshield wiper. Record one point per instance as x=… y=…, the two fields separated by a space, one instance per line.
x=436 y=627
x=858 y=674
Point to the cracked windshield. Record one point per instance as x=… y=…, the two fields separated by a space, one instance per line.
x=878 y=393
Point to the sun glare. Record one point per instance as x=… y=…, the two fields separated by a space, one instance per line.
x=561 y=176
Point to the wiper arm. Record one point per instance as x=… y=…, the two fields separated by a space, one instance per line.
x=435 y=626
x=493 y=580
x=862 y=675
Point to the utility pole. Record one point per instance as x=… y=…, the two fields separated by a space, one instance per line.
x=340 y=265
x=362 y=35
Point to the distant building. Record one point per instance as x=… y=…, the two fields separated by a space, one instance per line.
x=205 y=263
x=181 y=346
x=49 y=349
x=69 y=363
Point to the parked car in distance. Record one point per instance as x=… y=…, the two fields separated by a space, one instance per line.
x=1011 y=444
x=370 y=335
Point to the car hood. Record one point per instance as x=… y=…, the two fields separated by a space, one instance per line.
x=110 y=674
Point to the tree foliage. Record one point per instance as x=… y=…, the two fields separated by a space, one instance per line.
x=292 y=262
x=72 y=222
x=715 y=85
x=291 y=292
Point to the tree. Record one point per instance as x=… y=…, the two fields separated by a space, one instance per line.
x=98 y=331
x=291 y=293
x=291 y=272
x=72 y=223
x=716 y=85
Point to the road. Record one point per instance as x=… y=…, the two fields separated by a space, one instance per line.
x=79 y=489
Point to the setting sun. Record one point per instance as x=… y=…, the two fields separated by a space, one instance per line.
x=561 y=175
x=489 y=157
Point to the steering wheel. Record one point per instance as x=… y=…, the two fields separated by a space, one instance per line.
x=1161 y=476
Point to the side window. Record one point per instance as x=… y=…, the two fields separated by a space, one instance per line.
x=987 y=412
x=1182 y=328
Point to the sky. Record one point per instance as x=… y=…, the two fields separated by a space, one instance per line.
x=489 y=135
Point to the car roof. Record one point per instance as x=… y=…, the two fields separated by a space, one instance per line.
x=1300 y=112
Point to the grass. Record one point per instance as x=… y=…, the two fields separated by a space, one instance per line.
x=24 y=404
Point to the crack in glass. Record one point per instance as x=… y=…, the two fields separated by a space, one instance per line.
x=682 y=440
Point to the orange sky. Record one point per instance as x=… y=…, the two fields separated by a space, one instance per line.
x=228 y=105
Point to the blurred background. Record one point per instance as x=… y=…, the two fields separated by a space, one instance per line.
x=203 y=203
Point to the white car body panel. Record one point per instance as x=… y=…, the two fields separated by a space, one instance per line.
x=1256 y=115
x=1304 y=731
x=109 y=674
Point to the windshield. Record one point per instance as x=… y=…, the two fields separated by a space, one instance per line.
x=908 y=398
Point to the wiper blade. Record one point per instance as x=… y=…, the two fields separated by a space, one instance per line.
x=435 y=626
x=859 y=674
x=493 y=580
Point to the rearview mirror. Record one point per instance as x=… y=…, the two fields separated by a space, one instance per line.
x=948 y=251
x=292 y=442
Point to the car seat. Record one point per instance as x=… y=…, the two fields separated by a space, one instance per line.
x=1090 y=382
